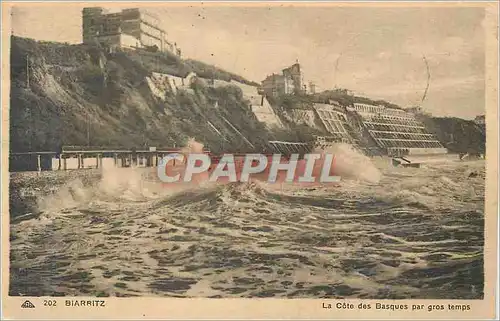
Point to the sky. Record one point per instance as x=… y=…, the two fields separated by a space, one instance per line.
x=373 y=51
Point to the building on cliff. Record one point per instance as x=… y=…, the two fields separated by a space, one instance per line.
x=396 y=131
x=129 y=28
x=289 y=82
x=312 y=88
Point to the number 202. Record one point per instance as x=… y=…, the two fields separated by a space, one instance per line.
x=49 y=303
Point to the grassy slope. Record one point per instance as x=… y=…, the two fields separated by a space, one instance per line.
x=69 y=95
x=68 y=91
x=458 y=135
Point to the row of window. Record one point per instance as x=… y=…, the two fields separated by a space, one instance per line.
x=414 y=136
x=394 y=120
x=334 y=137
x=380 y=109
x=149 y=19
x=405 y=151
x=395 y=128
x=150 y=30
x=408 y=144
x=334 y=126
x=368 y=108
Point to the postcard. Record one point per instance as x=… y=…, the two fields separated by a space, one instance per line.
x=249 y=160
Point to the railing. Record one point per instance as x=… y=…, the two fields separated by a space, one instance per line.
x=38 y=161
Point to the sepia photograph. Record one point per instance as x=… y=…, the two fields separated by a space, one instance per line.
x=247 y=151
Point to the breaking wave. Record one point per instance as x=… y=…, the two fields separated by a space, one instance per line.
x=352 y=164
x=383 y=232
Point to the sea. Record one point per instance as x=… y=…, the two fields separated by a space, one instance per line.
x=383 y=232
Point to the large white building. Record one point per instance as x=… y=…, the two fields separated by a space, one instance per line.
x=129 y=28
x=397 y=131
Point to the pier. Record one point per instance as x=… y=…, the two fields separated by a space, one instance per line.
x=77 y=157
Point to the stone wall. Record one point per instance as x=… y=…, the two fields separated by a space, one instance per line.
x=265 y=114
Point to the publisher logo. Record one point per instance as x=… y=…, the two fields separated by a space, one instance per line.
x=27 y=305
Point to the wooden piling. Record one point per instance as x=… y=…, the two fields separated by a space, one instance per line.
x=39 y=163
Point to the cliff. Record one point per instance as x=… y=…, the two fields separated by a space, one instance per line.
x=458 y=135
x=84 y=95
x=65 y=94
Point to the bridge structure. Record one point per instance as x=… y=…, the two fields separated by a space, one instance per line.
x=38 y=161
x=85 y=157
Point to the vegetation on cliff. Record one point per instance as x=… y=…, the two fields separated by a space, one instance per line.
x=83 y=95
x=458 y=135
